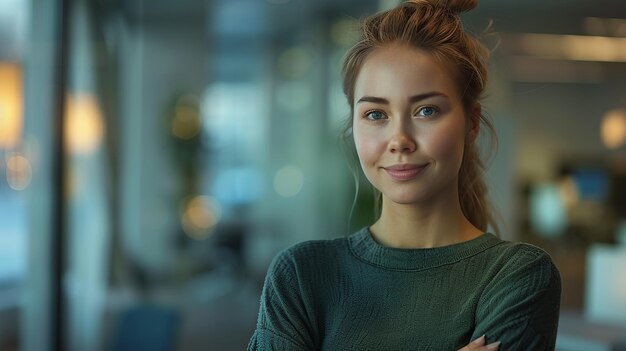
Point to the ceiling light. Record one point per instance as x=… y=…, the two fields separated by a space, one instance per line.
x=615 y=27
x=568 y=47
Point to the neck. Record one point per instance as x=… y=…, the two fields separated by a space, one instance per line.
x=437 y=223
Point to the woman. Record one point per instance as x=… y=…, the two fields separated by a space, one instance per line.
x=425 y=275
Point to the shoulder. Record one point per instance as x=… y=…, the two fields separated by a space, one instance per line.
x=311 y=253
x=312 y=249
x=524 y=264
x=520 y=301
x=522 y=254
x=315 y=247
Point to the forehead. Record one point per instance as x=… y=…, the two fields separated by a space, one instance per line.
x=398 y=70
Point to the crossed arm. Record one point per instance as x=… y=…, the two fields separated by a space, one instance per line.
x=516 y=311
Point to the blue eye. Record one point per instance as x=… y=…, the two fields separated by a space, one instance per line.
x=374 y=115
x=427 y=111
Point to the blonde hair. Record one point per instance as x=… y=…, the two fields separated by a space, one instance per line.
x=435 y=27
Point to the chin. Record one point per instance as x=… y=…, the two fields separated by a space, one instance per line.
x=405 y=198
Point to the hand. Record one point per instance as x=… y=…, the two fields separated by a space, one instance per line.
x=479 y=345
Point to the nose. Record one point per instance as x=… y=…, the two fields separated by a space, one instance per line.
x=402 y=142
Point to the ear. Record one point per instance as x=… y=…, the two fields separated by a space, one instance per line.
x=474 y=123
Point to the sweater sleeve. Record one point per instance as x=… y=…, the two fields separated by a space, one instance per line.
x=283 y=322
x=520 y=306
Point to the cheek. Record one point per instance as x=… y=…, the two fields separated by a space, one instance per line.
x=367 y=145
x=447 y=144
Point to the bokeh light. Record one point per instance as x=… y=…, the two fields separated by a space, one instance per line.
x=288 y=181
x=613 y=128
x=294 y=62
x=84 y=126
x=10 y=105
x=186 y=122
x=199 y=216
x=344 y=32
x=547 y=210
x=19 y=171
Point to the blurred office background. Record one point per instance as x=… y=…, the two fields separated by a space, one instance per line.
x=200 y=138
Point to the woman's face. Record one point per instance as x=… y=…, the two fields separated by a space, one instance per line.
x=409 y=125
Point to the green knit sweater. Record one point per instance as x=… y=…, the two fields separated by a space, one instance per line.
x=352 y=293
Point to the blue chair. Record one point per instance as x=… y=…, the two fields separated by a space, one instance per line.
x=147 y=328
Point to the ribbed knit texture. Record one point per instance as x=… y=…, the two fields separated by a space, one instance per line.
x=354 y=294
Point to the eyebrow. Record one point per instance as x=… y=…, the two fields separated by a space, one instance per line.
x=414 y=98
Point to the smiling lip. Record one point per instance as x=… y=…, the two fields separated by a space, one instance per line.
x=405 y=171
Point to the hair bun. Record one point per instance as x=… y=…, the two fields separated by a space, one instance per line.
x=456 y=6
x=460 y=6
